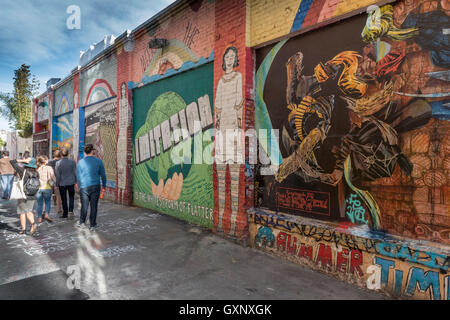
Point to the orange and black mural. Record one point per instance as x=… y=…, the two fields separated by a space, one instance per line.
x=361 y=109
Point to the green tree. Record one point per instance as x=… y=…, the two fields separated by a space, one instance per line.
x=18 y=105
x=2 y=143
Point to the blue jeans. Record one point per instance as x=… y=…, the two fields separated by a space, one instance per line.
x=7 y=183
x=42 y=196
x=89 y=196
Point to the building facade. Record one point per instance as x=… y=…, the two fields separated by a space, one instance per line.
x=313 y=130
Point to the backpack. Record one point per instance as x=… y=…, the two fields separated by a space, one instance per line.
x=31 y=187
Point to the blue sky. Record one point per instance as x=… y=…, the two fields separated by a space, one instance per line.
x=35 y=33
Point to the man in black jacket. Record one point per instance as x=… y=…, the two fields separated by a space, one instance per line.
x=66 y=178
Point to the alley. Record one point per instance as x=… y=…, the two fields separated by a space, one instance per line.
x=138 y=254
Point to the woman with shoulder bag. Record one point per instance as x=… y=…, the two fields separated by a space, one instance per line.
x=44 y=195
x=25 y=206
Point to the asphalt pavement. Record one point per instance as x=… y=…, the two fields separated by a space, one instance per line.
x=140 y=254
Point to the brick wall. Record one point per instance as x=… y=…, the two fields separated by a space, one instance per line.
x=416 y=206
x=191 y=24
x=124 y=195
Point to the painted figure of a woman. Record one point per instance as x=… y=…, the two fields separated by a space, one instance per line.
x=228 y=150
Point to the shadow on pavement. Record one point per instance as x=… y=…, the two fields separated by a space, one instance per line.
x=5 y=226
x=50 y=286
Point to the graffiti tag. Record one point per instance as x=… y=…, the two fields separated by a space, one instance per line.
x=355 y=211
x=191 y=32
x=392 y=250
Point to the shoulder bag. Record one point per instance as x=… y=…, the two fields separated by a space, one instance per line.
x=17 y=192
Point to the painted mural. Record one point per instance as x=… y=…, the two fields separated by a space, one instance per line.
x=363 y=133
x=76 y=134
x=63 y=131
x=63 y=106
x=100 y=130
x=189 y=38
x=63 y=121
x=174 y=58
x=172 y=154
x=99 y=91
x=43 y=110
x=228 y=108
x=400 y=269
x=63 y=100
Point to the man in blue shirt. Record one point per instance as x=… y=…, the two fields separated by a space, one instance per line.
x=89 y=171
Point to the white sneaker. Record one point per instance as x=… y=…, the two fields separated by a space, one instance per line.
x=80 y=225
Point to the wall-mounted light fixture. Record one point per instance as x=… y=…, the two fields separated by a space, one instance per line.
x=158 y=43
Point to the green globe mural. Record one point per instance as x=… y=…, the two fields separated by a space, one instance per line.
x=178 y=185
x=164 y=106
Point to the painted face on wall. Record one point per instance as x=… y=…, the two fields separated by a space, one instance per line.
x=123 y=91
x=230 y=59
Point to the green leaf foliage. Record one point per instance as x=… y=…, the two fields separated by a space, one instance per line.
x=17 y=106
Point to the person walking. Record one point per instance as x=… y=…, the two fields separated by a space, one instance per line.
x=6 y=175
x=24 y=158
x=66 y=178
x=90 y=170
x=27 y=156
x=31 y=186
x=52 y=163
x=44 y=195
